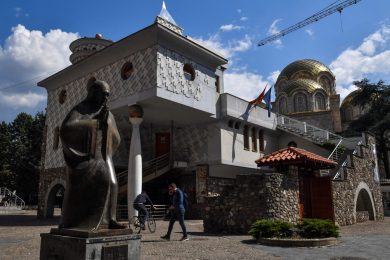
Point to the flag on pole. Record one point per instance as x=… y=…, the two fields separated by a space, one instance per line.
x=258 y=100
x=267 y=101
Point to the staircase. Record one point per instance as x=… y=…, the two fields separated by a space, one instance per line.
x=321 y=136
x=10 y=201
x=150 y=170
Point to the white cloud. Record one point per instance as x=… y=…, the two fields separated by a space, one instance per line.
x=19 y=12
x=230 y=27
x=369 y=60
x=245 y=85
x=310 y=32
x=273 y=29
x=227 y=50
x=17 y=100
x=244 y=18
x=239 y=11
x=26 y=55
x=273 y=76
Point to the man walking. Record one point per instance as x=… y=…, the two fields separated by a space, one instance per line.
x=177 y=210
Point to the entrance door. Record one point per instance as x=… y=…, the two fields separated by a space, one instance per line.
x=321 y=197
x=315 y=197
x=163 y=143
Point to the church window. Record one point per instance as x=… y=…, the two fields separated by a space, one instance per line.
x=62 y=96
x=127 y=70
x=300 y=103
x=283 y=105
x=325 y=83
x=189 y=72
x=246 y=138
x=319 y=101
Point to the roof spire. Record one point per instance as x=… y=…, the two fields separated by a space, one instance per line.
x=165 y=19
x=165 y=14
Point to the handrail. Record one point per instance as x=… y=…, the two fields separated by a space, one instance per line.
x=158 y=213
x=10 y=199
x=316 y=134
x=148 y=168
x=336 y=154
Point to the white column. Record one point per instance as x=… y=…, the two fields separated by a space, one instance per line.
x=134 y=177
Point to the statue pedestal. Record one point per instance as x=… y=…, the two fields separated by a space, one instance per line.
x=70 y=244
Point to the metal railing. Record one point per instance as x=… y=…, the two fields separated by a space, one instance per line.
x=10 y=199
x=159 y=213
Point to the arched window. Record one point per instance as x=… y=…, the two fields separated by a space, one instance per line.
x=319 y=101
x=56 y=138
x=300 y=103
x=189 y=72
x=325 y=83
x=246 y=138
x=127 y=70
x=292 y=144
x=254 y=140
x=283 y=105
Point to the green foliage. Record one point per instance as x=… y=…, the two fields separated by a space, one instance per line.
x=20 y=155
x=309 y=228
x=330 y=146
x=270 y=228
x=375 y=99
x=318 y=228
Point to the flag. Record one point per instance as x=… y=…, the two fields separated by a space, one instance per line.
x=258 y=100
x=267 y=101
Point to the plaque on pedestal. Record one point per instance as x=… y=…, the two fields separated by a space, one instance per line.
x=67 y=244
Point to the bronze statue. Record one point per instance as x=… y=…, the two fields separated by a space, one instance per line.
x=89 y=138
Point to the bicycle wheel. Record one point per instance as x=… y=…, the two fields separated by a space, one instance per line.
x=151 y=224
x=136 y=224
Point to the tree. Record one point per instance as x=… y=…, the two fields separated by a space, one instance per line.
x=24 y=155
x=7 y=177
x=376 y=99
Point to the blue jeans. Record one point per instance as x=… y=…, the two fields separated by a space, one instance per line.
x=177 y=215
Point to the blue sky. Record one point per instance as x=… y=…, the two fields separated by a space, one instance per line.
x=35 y=35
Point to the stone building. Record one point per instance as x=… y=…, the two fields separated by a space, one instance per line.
x=192 y=132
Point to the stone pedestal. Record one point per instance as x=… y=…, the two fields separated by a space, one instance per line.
x=63 y=244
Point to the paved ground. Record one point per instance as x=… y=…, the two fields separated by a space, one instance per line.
x=19 y=239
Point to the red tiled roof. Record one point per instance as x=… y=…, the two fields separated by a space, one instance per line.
x=294 y=156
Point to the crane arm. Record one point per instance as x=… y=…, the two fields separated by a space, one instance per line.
x=314 y=18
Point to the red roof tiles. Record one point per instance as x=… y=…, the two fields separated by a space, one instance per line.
x=294 y=156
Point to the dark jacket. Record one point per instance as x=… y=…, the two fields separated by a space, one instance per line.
x=177 y=200
x=142 y=199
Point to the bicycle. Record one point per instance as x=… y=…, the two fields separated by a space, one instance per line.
x=150 y=222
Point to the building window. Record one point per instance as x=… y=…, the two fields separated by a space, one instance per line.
x=237 y=125
x=217 y=88
x=62 y=96
x=246 y=138
x=231 y=123
x=127 y=70
x=189 y=72
x=283 y=105
x=261 y=140
x=56 y=138
x=292 y=144
x=254 y=140
x=300 y=103
x=319 y=101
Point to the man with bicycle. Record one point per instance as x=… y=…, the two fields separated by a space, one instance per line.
x=139 y=204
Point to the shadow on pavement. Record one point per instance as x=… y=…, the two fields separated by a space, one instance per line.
x=10 y=220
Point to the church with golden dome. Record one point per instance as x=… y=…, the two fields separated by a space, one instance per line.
x=306 y=90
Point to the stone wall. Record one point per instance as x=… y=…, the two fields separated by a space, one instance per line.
x=48 y=179
x=358 y=191
x=249 y=198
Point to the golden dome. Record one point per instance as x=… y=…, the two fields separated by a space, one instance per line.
x=347 y=100
x=308 y=66
x=307 y=84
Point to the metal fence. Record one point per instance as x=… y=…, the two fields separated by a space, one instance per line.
x=10 y=199
x=159 y=213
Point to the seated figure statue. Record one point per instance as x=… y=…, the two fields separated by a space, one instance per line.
x=89 y=138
